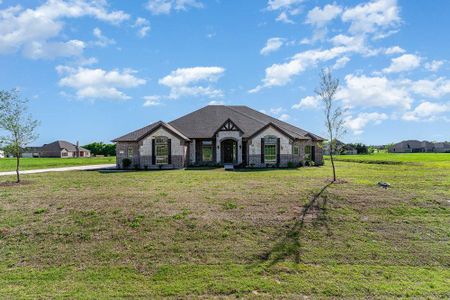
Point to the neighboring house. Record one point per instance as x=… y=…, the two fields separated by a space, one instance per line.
x=218 y=135
x=63 y=149
x=31 y=152
x=340 y=148
x=2 y=154
x=412 y=146
x=442 y=147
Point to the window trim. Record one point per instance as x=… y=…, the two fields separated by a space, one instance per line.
x=161 y=144
x=130 y=152
x=308 y=153
x=207 y=145
x=270 y=157
x=295 y=149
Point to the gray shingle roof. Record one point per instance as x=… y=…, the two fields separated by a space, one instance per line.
x=205 y=122
x=59 y=145
x=139 y=134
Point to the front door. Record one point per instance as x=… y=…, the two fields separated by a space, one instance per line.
x=228 y=151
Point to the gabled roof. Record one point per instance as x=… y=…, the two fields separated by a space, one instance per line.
x=139 y=134
x=205 y=122
x=59 y=145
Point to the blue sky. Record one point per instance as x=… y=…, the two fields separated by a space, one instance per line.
x=94 y=70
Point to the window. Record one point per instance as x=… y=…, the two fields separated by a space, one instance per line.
x=307 y=152
x=270 y=149
x=130 y=152
x=295 y=150
x=207 y=151
x=270 y=153
x=161 y=150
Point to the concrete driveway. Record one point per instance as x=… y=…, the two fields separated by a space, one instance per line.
x=64 y=169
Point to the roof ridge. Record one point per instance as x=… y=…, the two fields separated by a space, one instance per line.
x=277 y=120
x=236 y=111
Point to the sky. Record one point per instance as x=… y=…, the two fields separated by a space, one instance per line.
x=95 y=70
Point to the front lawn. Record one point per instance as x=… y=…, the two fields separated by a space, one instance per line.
x=212 y=233
x=9 y=164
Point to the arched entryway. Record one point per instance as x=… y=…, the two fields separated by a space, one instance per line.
x=229 y=151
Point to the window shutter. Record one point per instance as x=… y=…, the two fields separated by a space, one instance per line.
x=169 y=148
x=153 y=152
x=262 y=150
x=278 y=150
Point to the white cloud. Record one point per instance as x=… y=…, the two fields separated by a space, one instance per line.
x=102 y=41
x=284 y=117
x=394 y=50
x=277 y=110
x=143 y=27
x=272 y=45
x=282 y=4
x=366 y=91
x=287 y=8
x=185 y=82
x=320 y=17
x=164 y=7
x=427 y=111
x=284 y=18
x=98 y=83
x=49 y=50
x=27 y=29
x=281 y=74
x=406 y=62
x=152 y=101
x=215 y=102
x=357 y=124
x=372 y=16
x=307 y=102
x=436 y=88
x=341 y=62
x=434 y=65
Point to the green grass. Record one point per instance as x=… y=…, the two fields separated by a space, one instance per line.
x=9 y=164
x=213 y=233
x=397 y=158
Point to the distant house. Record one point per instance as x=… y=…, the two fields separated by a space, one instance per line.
x=219 y=135
x=2 y=154
x=61 y=149
x=414 y=146
x=442 y=147
x=31 y=152
x=341 y=148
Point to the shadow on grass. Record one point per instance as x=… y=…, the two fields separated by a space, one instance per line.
x=290 y=243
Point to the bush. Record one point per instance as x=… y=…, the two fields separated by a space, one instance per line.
x=291 y=165
x=126 y=163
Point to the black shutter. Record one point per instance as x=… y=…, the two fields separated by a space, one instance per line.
x=278 y=151
x=262 y=150
x=169 y=146
x=153 y=152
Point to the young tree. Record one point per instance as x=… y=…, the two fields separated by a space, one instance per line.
x=17 y=123
x=334 y=120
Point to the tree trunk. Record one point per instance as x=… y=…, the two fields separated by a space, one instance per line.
x=332 y=164
x=17 y=167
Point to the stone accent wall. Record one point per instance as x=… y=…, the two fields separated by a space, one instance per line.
x=192 y=149
x=142 y=152
x=319 y=153
x=225 y=135
x=286 y=150
x=122 y=152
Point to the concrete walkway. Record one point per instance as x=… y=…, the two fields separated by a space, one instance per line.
x=63 y=169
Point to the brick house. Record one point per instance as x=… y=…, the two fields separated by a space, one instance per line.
x=57 y=149
x=219 y=135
